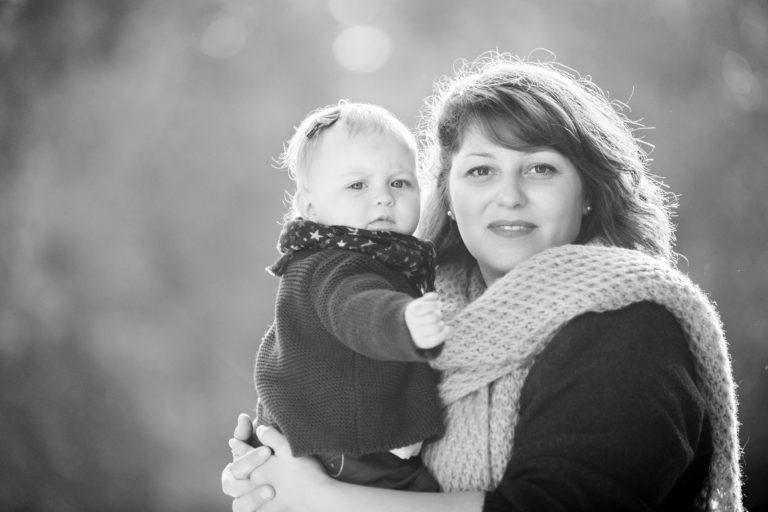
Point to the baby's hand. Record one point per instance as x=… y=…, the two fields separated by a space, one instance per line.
x=425 y=321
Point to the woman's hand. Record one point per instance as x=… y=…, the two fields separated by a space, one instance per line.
x=259 y=481
x=240 y=480
x=244 y=438
x=236 y=478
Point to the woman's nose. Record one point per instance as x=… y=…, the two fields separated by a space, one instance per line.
x=511 y=193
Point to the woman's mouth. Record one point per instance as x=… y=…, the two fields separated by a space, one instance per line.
x=511 y=228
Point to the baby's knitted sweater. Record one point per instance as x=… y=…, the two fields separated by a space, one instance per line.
x=338 y=372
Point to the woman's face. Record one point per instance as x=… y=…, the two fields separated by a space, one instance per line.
x=510 y=205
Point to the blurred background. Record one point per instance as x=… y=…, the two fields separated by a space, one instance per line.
x=139 y=205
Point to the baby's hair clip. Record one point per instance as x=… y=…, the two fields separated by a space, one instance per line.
x=323 y=122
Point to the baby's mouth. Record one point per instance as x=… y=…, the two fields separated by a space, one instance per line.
x=381 y=222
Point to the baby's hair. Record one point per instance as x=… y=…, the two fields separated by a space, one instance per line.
x=356 y=118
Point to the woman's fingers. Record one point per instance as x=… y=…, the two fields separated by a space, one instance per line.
x=238 y=482
x=244 y=466
x=244 y=428
x=270 y=436
x=232 y=486
x=239 y=448
x=252 y=501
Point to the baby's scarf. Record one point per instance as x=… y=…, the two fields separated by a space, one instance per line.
x=413 y=257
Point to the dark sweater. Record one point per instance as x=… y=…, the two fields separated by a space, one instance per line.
x=648 y=445
x=338 y=371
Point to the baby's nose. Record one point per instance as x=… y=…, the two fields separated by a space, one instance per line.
x=385 y=198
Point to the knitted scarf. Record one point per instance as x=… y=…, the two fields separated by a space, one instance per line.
x=413 y=257
x=497 y=333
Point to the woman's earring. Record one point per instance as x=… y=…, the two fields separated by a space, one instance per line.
x=450 y=214
x=587 y=209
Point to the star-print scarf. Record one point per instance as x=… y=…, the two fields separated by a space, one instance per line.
x=413 y=257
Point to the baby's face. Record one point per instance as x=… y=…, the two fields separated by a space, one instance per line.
x=363 y=181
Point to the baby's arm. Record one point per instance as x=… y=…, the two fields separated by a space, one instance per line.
x=425 y=321
x=356 y=301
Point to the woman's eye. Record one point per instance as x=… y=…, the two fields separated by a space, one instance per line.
x=479 y=171
x=400 y=183
x=357 y=185
x=541 y=170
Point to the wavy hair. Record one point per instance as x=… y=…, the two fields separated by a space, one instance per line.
x=520 y=105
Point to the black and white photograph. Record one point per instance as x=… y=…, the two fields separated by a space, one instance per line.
x=383 y=255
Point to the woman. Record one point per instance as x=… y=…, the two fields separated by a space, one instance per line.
x=583 y=372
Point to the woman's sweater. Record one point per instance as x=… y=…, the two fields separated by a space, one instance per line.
x=610 y=419
x=497 y=335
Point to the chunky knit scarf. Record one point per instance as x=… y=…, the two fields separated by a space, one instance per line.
x=497 y=333
x=413 y=257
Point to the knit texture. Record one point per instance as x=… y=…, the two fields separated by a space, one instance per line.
x=338 y=371
x=497 y=333
x=413 y=257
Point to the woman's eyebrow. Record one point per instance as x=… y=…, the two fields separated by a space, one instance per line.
x=475 y=153
x=526 y=150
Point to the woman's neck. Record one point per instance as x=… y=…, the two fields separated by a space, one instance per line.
x=489 y=275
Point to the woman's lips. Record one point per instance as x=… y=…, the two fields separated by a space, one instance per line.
x=511 y=228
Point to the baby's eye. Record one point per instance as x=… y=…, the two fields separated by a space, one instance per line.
x=480 y=170
x=358 y=185
x=400 y=183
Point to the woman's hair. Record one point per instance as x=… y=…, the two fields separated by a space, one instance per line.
x=522 y=105
x=356 y=118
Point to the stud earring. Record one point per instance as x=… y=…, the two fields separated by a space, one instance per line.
x=587 y=209
x=450 y=214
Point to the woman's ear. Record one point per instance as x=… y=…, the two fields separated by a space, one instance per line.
x=449 y=208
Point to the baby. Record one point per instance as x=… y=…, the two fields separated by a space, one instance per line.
x=342 y=371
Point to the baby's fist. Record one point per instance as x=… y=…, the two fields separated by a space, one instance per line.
x=425 y=321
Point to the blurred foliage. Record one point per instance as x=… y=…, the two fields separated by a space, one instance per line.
x=138 y=206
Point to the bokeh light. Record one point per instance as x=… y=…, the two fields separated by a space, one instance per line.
x=224 y=37
x=362 y=49
x=738 y=76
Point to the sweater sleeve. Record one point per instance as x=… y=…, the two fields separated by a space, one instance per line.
x=610 y=419
x=360 y=306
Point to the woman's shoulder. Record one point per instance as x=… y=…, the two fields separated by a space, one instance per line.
x=624 y=381
x=638 y=354
x=644 y=330
x=642 y=315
